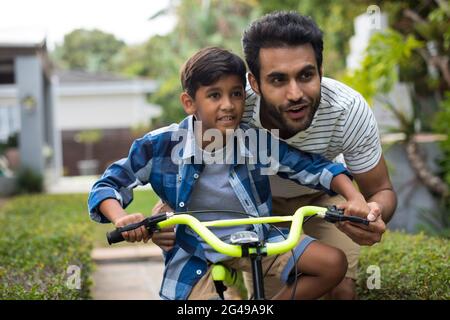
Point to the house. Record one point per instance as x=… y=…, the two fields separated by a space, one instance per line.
x=27 y=104
x=50 y=109
x=110 y=104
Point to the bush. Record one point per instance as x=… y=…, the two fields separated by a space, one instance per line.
x=29 y=181
x=42 y=236
x=411 y=267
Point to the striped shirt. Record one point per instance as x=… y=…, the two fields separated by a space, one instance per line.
x=343 y=129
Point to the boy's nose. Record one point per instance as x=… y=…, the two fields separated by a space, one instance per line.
x=226 y=104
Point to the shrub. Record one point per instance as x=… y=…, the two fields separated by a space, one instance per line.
x=411 y=267
x=29 y=181
x=42 y=236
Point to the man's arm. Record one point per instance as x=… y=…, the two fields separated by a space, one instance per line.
x=376 y=187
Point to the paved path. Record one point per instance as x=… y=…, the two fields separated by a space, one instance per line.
x=127 y=273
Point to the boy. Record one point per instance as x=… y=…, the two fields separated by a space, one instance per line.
x=213 y=81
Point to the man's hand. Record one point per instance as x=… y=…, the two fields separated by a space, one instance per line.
x=164 y=238
x=365 y=235
x=136 y=235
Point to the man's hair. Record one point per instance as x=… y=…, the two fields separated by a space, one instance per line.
x=280 y=29
x=207 y=66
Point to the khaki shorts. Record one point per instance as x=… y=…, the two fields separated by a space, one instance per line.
x=280 y=268
x=320 y=229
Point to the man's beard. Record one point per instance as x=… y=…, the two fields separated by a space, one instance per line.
x=289 y=127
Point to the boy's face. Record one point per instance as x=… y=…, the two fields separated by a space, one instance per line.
x=289 y=87
x=219 y=105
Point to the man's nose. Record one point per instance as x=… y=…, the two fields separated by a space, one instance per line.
x=294 y=91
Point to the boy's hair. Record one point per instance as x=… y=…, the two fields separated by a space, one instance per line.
x=280 y=29
x=207 y=66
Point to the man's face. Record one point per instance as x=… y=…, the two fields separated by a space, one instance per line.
x=289 y=88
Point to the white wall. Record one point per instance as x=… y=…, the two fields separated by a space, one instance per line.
x=103 y=111
x=95 y=106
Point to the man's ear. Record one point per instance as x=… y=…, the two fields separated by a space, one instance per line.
x=188 y=103
x=253 y=83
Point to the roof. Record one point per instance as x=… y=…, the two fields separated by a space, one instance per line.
x=22 y=38
x=19 y=42
x=73 y=76
x=78 y=82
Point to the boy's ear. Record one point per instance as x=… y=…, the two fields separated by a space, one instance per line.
x=188 y=103
x=253 y=83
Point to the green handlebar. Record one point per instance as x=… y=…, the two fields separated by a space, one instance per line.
x=201 y=228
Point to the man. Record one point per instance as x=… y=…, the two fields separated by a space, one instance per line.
x=283 y=51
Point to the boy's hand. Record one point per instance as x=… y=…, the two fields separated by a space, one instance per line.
x=136 y=235
x=359 y=233
x=164 y=238
x=356 y=207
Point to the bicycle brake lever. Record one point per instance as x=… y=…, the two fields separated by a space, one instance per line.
x=334 y=215
x=149 y=223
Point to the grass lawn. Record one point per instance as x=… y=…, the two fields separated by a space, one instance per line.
x=44 y=237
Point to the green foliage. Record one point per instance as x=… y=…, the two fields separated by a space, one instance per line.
x=89 y=136
x=335 y=18
x=386 y=54
x=441 y=124
x=411 y=267
x=29 y=181
x=200 y=24
x=379 y=71
x=90 y=50
x=41 y=237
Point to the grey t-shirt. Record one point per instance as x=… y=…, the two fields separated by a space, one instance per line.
x=213 y=191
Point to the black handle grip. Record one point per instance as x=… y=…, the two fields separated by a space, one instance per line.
x=358 y=220
x=114 y=236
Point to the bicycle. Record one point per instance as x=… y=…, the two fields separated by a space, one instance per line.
x=243 y=243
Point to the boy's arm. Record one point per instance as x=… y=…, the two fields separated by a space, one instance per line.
x=114 y=212
x=307 y=169
x=319 y=173
x=119 y=180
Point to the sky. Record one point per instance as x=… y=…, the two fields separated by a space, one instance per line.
x=128 y=20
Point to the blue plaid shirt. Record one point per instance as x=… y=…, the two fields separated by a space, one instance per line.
x=150 y=161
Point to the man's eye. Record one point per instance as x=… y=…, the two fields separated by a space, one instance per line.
x=307 y=76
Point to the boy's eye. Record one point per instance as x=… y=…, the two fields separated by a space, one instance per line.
x=214 y=95
x=277 y=80
x=237 y=94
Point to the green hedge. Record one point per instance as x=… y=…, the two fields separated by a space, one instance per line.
x=411 y=267
x=41 y=237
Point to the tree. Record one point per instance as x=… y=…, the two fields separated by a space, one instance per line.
x=90 y=50
x=417 y=52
